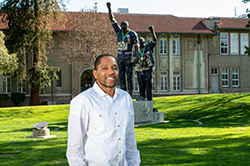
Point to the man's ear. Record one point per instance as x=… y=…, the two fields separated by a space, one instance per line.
x=94 y=73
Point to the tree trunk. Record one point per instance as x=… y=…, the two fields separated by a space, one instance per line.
x=34 y=94
x=34 y=97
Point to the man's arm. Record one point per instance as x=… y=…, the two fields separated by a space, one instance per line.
x=116 y=27
x=111 y=15
x=77 y=127
x=135 y=41
x=132 y=154
x=151 y=28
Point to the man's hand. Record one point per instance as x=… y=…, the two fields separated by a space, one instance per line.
x=108 y=5
x=151 y=28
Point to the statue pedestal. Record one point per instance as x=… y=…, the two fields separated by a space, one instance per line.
x=143 y=113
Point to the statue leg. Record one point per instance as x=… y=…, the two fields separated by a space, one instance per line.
x=129 y=72
x=149 y=82
x=122 y=67
x=141 y=81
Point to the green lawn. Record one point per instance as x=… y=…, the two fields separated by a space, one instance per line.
x=223 y=139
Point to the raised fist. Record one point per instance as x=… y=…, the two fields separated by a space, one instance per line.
x=151 y=28
x=108 y=4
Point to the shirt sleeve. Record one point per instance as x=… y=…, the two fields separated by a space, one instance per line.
x=152 y=45
x=136 y=40
x=132 y=154
x=77 y=127
x=116 y=27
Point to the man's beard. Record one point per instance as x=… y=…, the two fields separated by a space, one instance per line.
x=104 y=84
x=107 y=85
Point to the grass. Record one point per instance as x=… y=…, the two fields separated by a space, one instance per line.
x=223 y=139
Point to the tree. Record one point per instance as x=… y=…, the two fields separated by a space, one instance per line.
x=29 y=30
x=247 y=26
x=90 y=35
x=8 y=62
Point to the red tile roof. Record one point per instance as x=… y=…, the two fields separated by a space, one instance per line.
x=233 y=23
x=162 y=23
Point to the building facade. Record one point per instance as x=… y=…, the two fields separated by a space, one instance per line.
x=192 y=56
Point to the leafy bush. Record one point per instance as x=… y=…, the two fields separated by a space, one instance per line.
x=4 y=97
x=17 y=98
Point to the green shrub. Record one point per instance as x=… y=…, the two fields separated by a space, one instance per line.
x=17 y=98
x=4 y=97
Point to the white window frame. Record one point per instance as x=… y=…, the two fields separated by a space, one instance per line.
x=148 y=40
x=235 y=76
x=243 y=42
x=234 y=43
x=176 y=45
x=176 y=81
x=163 y=45
x=224 y=39
x=21 y=86
x=225 y=77
x=214 y=70
x=6 y=83
x=164 y=81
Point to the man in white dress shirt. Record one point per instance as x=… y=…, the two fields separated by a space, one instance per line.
x=101 y=122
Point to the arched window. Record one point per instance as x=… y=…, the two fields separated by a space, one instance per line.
x=163 y=45
x=176 y=45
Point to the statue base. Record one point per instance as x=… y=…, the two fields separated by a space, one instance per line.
x=143 y=113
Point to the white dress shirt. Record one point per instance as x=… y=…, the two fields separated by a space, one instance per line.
x=101 y=129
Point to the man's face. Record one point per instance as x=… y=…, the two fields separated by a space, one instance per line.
x=107 y=73
x=142 y=43
x=124 y=29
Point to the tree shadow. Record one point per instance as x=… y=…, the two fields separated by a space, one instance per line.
x=50 y=151
x=199 y=150
x=220 y=110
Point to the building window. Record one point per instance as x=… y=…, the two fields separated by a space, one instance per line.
x=224 y=43
x=224 y=75
x=164 y=81
x=21 y=86
x=243 y=43
x=234 y=43
x=176 y=45
x=6 y=83
x=176 y=81
x=163 y=45
x=214 y=70
x=148 y=40
x=235 y=77
x=59 y=81
x=136 y=84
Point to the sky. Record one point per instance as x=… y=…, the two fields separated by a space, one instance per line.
x=179 y=8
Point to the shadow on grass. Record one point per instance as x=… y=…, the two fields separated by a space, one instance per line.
x=213 y=110
x=201 y=150
x=35 y=152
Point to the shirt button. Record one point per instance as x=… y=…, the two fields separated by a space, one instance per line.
x=116 y=113
x=119 y=151
x=119 y=138
x=100 y=115
x=118 y=125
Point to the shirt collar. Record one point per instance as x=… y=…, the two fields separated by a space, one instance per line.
x=101 y=93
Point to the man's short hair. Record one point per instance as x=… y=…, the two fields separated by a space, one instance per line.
x=141 y=39
x=98 y=59
x=124 y=23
